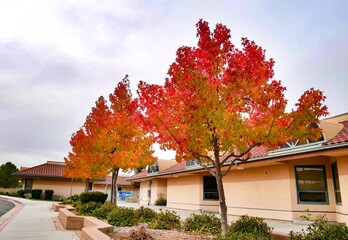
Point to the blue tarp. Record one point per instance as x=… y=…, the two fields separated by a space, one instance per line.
x=124 y=194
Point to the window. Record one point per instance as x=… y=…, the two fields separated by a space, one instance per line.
x=28 y=185
x=311 y=184
x=153 y=168
x=336 y=182
x=192 y=164
x=210 y=191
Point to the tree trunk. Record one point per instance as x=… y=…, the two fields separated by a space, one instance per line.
x=222 y=202
x=113 y=196
x=221 y=191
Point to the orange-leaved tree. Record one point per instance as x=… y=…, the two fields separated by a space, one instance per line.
x=112 y=138
x=219 y=102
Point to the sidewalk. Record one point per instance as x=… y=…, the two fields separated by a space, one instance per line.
x=31 y=220
x=277 y=225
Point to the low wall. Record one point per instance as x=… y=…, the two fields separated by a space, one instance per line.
x=9 y=190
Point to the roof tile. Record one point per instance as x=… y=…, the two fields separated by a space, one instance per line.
x=341 y=137
x=43 y=170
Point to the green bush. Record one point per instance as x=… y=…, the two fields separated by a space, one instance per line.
x=49 y=194
x=20 y=193
x=161 y=201
x=36 y=193
x=87 y=209
x=104 y=210
x=248 y=228
x=321 y=230
x=203 y=223
x=74 y=198
x=122 y=216
x=166 y=220
x=98 y=197
x=145 y=214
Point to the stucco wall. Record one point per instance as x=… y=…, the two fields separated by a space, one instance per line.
x=184 y=192
x=143 y=198
x=342 y=210
x=158 y=189
x=262 y=192
x=61 y=187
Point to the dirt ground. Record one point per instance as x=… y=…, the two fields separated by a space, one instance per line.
x=122 y=233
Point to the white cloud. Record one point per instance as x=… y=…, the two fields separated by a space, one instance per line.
x=57 y=57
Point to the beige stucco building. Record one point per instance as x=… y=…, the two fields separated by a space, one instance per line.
x=279 y=184
x=49 y=176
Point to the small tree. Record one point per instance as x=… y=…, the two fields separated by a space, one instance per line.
x=6 y=180
x=111 y=139
x=219 y=103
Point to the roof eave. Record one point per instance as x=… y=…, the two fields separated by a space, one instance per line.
x=266 y=157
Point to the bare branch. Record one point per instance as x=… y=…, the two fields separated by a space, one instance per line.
x=197 y=156
x=239 y=155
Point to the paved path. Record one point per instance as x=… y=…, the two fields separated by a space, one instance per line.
x=5 y=206
x=33 y=220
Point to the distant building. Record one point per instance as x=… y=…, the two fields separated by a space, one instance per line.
x=50 y=176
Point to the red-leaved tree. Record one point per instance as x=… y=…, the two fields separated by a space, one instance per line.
x=112 y=138
x=219 y=102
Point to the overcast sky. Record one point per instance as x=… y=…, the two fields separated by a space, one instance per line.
x=58 y=57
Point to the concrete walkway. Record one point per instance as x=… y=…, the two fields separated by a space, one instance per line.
x=31 y=220
x=278 y=226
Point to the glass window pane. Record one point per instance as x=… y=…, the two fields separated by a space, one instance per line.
x=311 y=184
x=310 y=178
x=336 y=182
x=210 y=188
x=312 y=197
x=338 y=197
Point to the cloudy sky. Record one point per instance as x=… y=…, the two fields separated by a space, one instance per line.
x=58 y=57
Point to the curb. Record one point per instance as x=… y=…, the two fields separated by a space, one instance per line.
x=17 y=209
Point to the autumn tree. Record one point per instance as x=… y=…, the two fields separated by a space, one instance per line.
x=219 y=102
x=112 y=138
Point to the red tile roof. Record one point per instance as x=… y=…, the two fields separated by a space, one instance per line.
x=256 y=152
x=121 y=181
x=341 y=137
x=176 y=167
x=48 y=170
x=141 y=174
x=55 y=170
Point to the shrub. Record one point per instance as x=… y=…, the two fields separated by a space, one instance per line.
x=36 y=193
x=122 y=216
x=87 y=209
x=140 y=234
x=320 y=229
x=248 y=228
x=74 y=198
x=145 y=214
x=20 y=193
x=66 y=202
x=203 y=223
x=104 y=210
x=98 y=197
x=161 y=201
x=48 y=194
x=166 y=220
